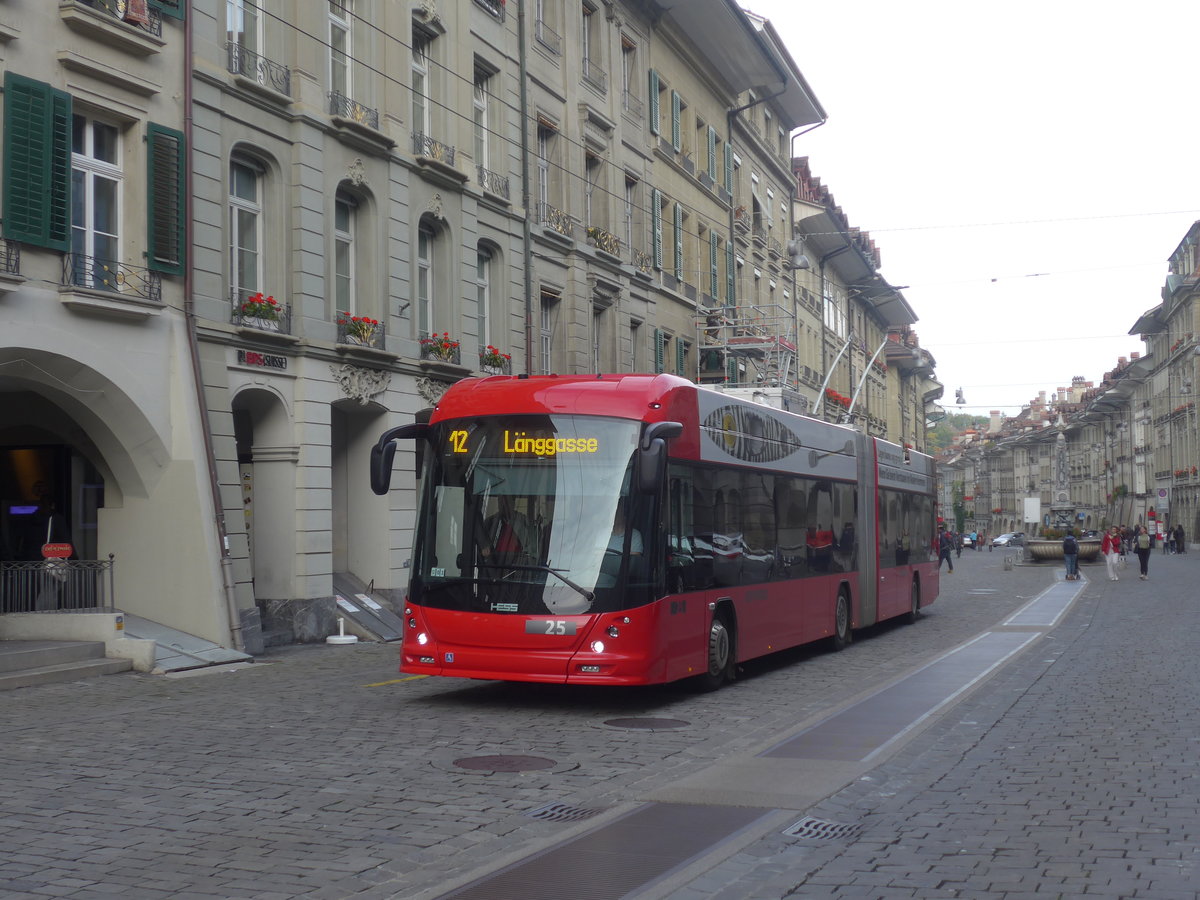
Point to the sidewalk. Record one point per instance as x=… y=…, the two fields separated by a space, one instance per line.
x=1073 y=773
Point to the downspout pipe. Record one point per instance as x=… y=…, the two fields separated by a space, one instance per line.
x=526 y=227
x=189 y=312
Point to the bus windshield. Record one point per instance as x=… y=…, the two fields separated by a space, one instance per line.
x=527 y=515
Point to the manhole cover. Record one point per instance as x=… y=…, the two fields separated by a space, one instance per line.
x=559 y=812
x=647 y=723
x=820 y=830
x=505 y=763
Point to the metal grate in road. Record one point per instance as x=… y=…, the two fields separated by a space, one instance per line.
x=560 y=812
x=812 y=829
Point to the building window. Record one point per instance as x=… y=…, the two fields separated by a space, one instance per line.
x=594 y=191
x=420 y=82
x=591 y=44
x=480 y=104
x=629 y=75
x=340 y=51
x=245 y=229
x=244 y=24
x=628 y=211
x=835 y=311
x=425 y=272
x=549 y=307
x=635 y=333
x=597 y=337
x=344 y=211
x=95 y=202
x=483 y=294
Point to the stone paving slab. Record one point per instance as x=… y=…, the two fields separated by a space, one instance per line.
x=323 y=773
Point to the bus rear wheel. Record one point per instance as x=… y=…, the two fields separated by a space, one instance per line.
x=841 y=621
x=720 y=654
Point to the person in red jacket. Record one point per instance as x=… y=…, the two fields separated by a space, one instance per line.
x=1111 y=548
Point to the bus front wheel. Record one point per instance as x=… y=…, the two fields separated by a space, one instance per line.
x=841 y=621
x=720 y=654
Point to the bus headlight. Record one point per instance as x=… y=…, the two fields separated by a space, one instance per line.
x=612 y=631
x=422 y=639
x=597 y=646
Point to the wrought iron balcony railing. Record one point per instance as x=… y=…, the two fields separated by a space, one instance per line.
x=151 y=25
x=246 y=313
x=632 y=105
x=547 y=37
x=594 y=75
x=494 y=7
x=493 y=183
x=603 y=240
x=642 y=260
x=441 y=349
x=10 y=257
x=495 y=363
x=360 y=333
x=424 y=145
x=110 y=275
x=555 y=218
x=343 y=106
x=258 y=68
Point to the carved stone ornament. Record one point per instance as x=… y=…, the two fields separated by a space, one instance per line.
x=431 y=390
x=356 y=172
x=360 y=384
x=435 y=208
x=427 y=10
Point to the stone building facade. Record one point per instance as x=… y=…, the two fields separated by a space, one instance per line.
x=350 y=205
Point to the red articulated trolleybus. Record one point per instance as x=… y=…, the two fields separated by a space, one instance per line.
x=639 y=529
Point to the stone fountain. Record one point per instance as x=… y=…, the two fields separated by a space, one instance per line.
x=1062 y=511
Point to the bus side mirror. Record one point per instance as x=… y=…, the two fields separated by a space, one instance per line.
x=653 y=463
x=384 y=452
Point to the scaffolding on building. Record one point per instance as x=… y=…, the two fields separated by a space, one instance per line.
x=753 y=348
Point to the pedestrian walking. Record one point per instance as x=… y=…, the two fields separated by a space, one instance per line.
x=1071 y=556
x=1111 y=548
x=945 y=546
x=1180 y=543
x=1141 y=546
x=1168 y=541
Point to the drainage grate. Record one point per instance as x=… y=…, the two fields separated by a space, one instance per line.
x=558 y=812
x=812 y=829
x=646 y=722
x=505 y=763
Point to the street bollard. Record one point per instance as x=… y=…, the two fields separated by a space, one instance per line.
x=1008 y=562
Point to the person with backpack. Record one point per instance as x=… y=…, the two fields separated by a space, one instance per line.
x=945 y=546
x=1141 y=546
x=1071 y=556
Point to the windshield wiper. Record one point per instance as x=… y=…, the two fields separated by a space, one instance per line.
x=557 y=573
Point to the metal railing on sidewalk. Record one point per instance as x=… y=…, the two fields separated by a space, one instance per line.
x=69 y=586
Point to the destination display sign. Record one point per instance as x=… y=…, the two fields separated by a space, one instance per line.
x=524 y=443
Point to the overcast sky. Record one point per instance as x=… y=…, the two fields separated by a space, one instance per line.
x=1025 y=168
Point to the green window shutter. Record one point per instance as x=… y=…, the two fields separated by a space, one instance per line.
x=713 y=257
x=729 y=167
x=712 y=153
x=680 y=358
x=655 y=112
x=678 y=258
x=165 y=233
x=656 y=248
x=172 y=8
x=660 y=350
x=37 y=163
x=676 y=116
x=730 y=275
